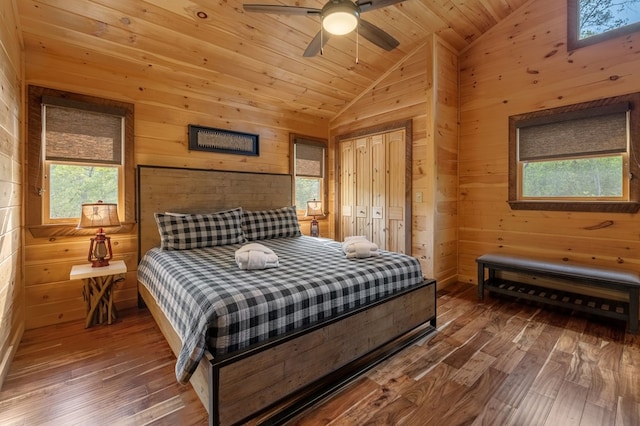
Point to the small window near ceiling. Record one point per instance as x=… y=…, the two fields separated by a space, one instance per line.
x=592 y=21
x=79 y=150
x=578 y=158
x=309 y=163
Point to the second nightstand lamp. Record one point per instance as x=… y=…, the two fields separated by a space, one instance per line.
x=314 y=208
x=99 y=215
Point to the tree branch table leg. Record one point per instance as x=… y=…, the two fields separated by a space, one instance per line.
x=98 y=290
x=99 y=297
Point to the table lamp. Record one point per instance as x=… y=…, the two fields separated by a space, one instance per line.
x=99 y=215
x=314 y=208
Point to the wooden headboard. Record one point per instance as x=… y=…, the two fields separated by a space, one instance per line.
x=169 y=189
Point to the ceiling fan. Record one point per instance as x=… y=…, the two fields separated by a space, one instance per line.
x=338 y=17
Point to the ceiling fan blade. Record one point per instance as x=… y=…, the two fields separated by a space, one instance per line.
x=280 y=9
x=315 y=46
x=366 y=5
x=377 y=36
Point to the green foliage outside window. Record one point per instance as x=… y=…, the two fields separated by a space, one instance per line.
x=585 y=177
x=307 y=189
x=73 y=185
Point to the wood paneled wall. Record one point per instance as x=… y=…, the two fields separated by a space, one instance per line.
x=424 y=88
x=11 y=118
x=522 y=65
x=165 y=104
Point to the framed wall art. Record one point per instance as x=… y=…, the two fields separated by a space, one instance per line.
x=225 y=141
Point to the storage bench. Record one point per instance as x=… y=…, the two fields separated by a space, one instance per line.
x=621 y=280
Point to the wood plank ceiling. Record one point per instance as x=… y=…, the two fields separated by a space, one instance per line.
x=241 y=58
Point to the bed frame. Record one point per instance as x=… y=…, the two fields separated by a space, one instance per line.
x=274 y=381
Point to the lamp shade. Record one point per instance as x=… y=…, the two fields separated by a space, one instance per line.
x=314 y=208
x=339 y=19
x=98 y=215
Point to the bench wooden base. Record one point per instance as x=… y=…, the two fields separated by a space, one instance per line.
x=626 y=282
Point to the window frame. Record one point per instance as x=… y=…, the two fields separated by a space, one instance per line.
x=573 y=31
x=34 y=201
x=632 y=182
x=295 y=138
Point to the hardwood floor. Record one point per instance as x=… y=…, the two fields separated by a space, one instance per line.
x=490 y=363
x=105 y=375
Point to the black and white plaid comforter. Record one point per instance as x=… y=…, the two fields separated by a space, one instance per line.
x=212 y=303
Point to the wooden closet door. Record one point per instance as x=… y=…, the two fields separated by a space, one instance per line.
x=378 y=202
x=347 y=189
x=363 y=187
x=373 y=189
x=396 y=191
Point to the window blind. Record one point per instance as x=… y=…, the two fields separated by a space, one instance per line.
x=309 y=160
x=599 y=131
x=72 y=134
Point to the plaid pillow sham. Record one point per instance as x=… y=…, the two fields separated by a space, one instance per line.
x=267 y=224
x=183 y=232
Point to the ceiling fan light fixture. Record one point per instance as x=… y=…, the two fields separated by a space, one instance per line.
x=341 y=18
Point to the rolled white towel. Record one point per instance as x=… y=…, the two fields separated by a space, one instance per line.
x=360 y=251
x=349 y=241
x=256 y=260
x=256 y=256
x=359 y=247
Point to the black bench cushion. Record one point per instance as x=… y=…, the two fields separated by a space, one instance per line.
x=566 y=269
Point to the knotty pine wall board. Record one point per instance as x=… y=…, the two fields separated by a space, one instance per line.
x=12 y=312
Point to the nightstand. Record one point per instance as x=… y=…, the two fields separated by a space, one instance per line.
x=98 y=289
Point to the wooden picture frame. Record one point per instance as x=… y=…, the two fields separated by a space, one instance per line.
x=211 y=139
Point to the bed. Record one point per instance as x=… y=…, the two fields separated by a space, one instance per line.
x=291 y=335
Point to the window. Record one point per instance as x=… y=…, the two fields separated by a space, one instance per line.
x=82 y=159
x=309 y=163
x=592 y=21
x=80 y=149
x=577 y=158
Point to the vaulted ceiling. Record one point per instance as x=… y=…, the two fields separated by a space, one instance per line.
x=249 y=56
